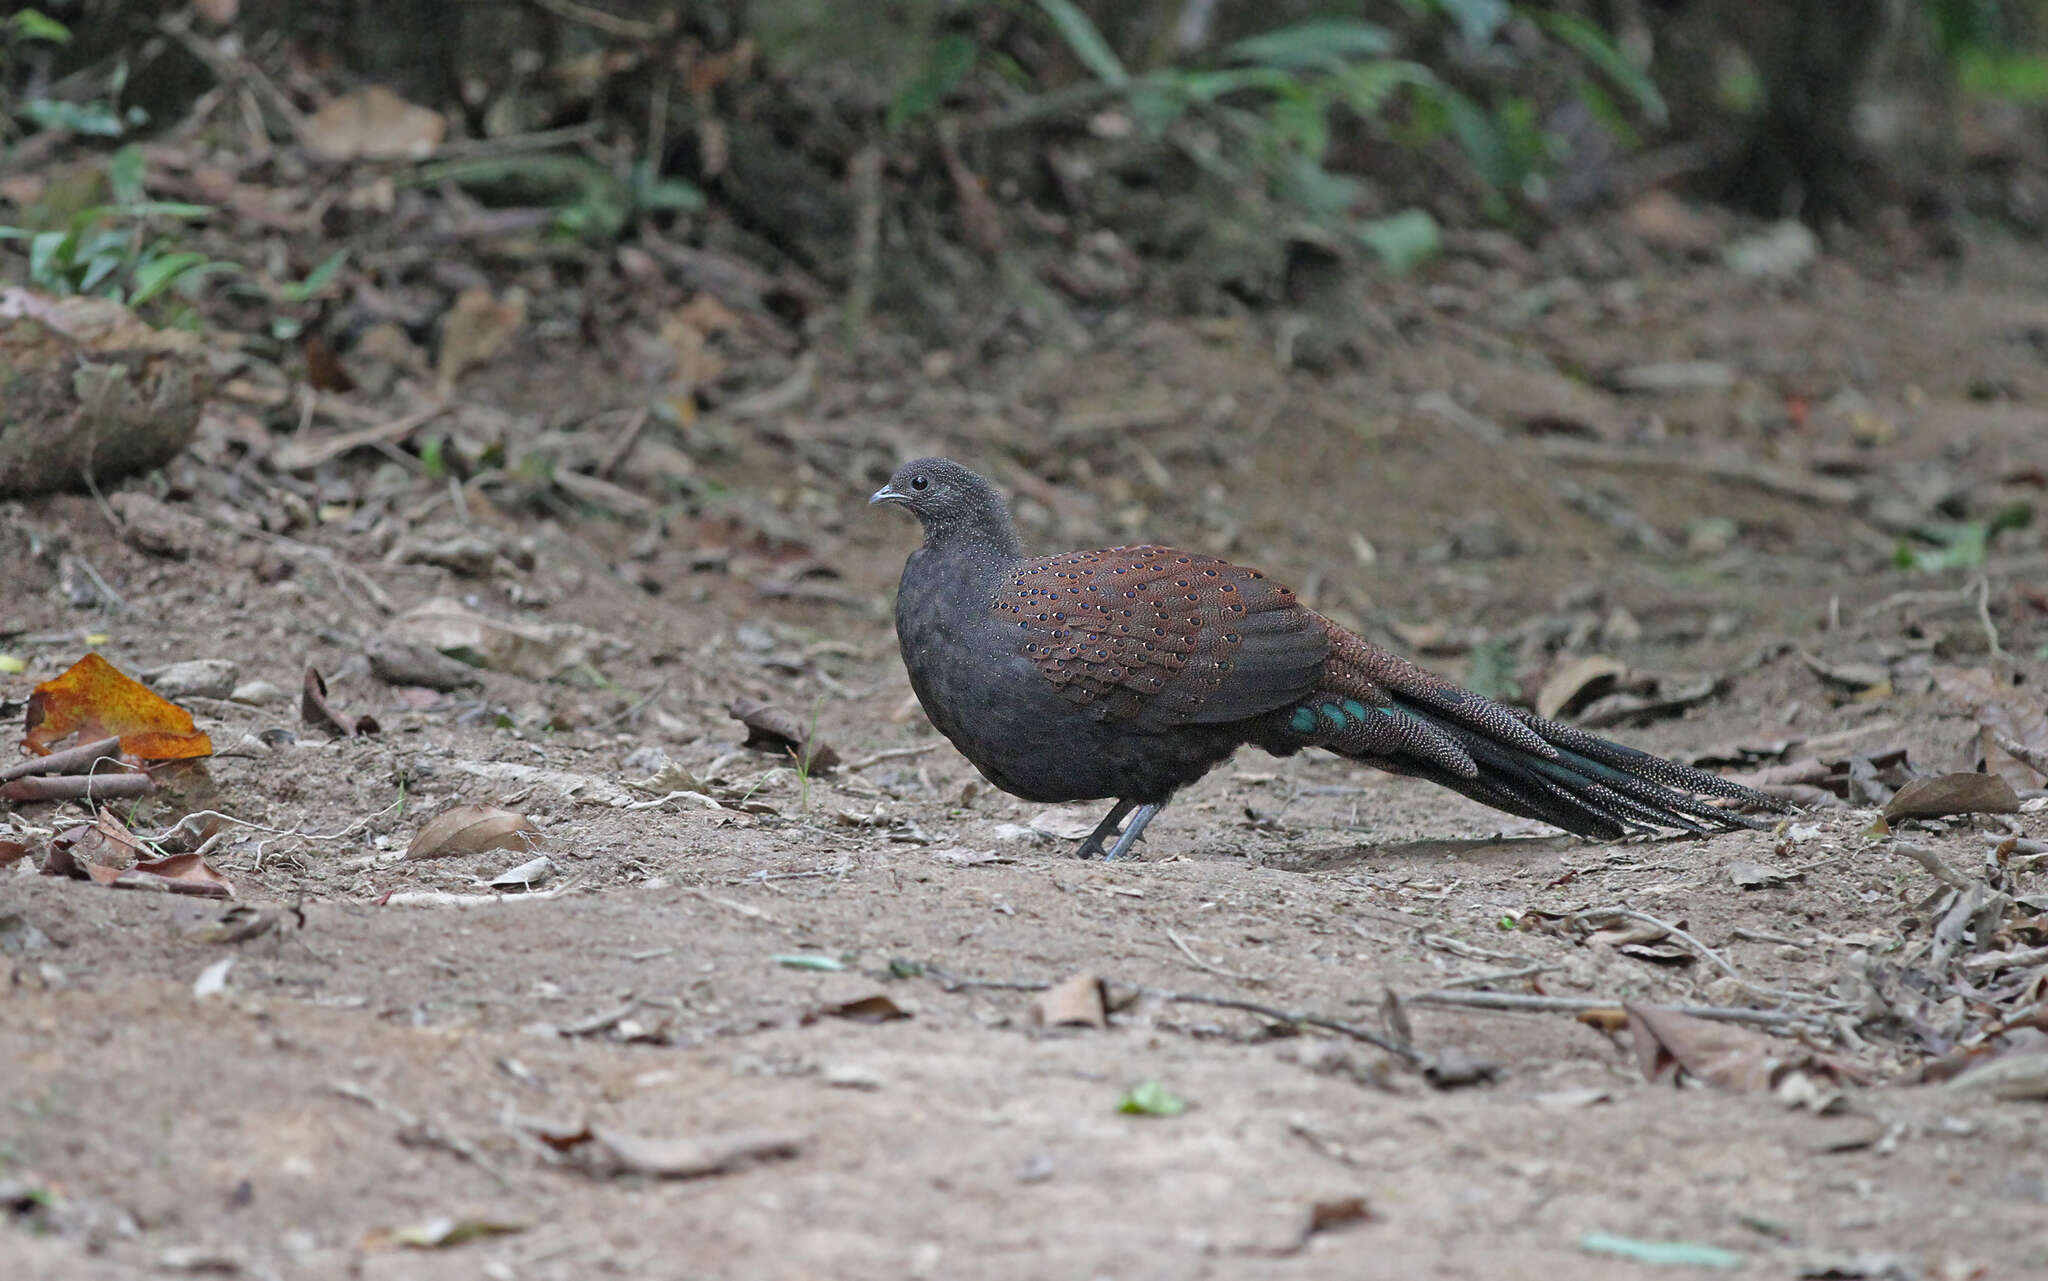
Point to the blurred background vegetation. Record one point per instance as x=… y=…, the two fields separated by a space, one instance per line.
x=896 y=152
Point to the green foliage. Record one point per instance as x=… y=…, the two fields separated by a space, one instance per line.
x=1987 y=51
x=116 y=250
x=1280 y=95
x=591 y=202
x=1150 y=1098
x=1958 y=544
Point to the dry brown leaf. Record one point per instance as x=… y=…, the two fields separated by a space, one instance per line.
x=2018 y=1075
x=534 y=650
x=2001 y=711
x=374 y=124
x=218 y=12
x=1576 y=681
x=178 y=874
x=863 y=1009
x=692 y=1156
x=315 y=709
x=1074 y=1002
x=95 y=699
x=1953 y=794
x=1722 y=1054
x=476 y=329
x=472 y=829
x=771 y=729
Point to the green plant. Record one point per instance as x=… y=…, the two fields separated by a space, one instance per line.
x=1266 y=110
x=114 y=250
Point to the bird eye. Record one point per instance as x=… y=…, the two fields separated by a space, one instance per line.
x=920 y=483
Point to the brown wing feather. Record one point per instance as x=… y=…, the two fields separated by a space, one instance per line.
x=1156 y=637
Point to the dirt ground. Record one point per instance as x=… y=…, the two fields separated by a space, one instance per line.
x=1479 y=478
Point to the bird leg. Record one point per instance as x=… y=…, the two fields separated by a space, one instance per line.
x=1138 y=820
x=1092 y=847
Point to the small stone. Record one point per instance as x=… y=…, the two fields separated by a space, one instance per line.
x=1783 y=249
x=195 y=678
x=258 y=693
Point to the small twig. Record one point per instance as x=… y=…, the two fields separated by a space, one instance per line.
x=1399 y=1049
x=442 y=898
x=414 y=1131
x=731 y=905
x=76 y=787
x=1515 y=1001
x=637 y=707
x=1747 y=935
x=1201 y=964
x=106 y=591
x=1502 y=976
x=889 y=754
x=1407 y=1053
x=2032 y=757
x=300 y=454
x=1982 y=586
x=629 y=436
x=1708 y=954
x=1935 y=865
x=598 y=20
x=864 y=177
x=84 y=755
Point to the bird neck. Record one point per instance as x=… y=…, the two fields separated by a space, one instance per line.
x=982 y=533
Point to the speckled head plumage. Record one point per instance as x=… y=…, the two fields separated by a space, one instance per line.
x=952 y=503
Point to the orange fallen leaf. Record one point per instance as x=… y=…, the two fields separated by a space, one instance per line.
x=95 y=699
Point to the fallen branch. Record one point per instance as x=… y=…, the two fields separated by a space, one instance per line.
x=1516 y=1002
x=1212 y=968
x=83 y=756
x=887 y=754
x=1934 y=863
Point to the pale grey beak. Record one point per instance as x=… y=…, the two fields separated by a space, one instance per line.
x=888 y=495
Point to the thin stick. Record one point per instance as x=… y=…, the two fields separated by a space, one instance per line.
x=1714 y=958
x=888 y=754
x=1502 y=976
x=2032 y=757
x=1517 y=1002
x=1935 y=865
x=71 y=758
x=1401 y=1050
x=413 y=1130
x=1201 y=964
x=75 y=787
x=442 y=898
x=305 y=455
x=1983 y=590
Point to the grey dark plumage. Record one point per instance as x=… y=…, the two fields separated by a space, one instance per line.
x=1130 y=672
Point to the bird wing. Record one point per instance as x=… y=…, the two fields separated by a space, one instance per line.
x=1153 y=637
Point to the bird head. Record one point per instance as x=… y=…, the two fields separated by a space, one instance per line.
x=948 y=500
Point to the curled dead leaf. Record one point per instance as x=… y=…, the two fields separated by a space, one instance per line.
x=772 y=729
x=1577 y=681
x=316 y=709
